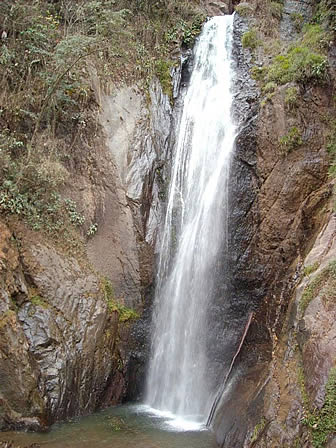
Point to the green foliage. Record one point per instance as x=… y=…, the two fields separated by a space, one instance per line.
x=322 y=422
x=250 y=39
x=162 y=70
x=29 y=191
x=323 y=284
x=92 y=230
x=314 y=36
x=311 y=268
x=75 y=218
x=326 y=15
x=258 y=430
x=269 y=87
x=48 y=105
x=331 y=148
x=305 y=61
x=291 y=97
x=244 y=10
x=190 y=32
x=258 y=73
x=297 y=20
x=125 y=314
x=291 y=140
x=37 y=300
x=276 y=10
x=300 y=64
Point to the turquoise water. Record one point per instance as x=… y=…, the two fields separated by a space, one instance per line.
x=129 y=426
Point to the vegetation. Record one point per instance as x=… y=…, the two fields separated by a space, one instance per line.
x=291 y=140
x=311 y=268
x=305 y=61
x=291 y=97
x=258 y=429
x=125 y=313
x=276 y=9
x=52 y=51
x=331 y=148
x=250 y=39
x=38 y=301
x=297 y=19
x=323 y=284
x=244 y=10
x=321 y=422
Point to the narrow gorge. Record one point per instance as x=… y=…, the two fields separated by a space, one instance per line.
x=167 y=224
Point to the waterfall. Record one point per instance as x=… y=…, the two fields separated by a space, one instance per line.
x=194 y=233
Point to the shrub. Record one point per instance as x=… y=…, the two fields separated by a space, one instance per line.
x=297 y=20
x=276 y=10
x=300 y=64
x=269 y=87
x=291 y=97
x=162 y=71
x=244 y=10
x=125 y=313
x=291 y=140
x=250 y=39
x=322 y=422
x=324 y=283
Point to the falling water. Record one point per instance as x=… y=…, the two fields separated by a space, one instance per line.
x=195 y=231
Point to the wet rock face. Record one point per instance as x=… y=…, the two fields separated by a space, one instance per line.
x=57 y=335
x=277 y=205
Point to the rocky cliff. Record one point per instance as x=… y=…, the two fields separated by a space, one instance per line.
x=282 y=382
x=66 y=315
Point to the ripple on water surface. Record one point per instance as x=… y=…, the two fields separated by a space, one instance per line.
x=121 y=427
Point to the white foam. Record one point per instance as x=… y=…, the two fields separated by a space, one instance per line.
x=170 y=421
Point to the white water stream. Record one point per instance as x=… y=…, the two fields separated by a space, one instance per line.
x=195 y=231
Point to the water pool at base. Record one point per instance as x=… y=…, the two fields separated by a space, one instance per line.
x=130 y=426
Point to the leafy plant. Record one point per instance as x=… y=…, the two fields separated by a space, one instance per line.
x=311 y=268
x=291 y=97
x=324 y=284
x=250 y=39
x=322 y=422
x=92 y=230
x=244 y=10
x=291 y=140
x=297 y=20
x=125 y=313
x=276 y=10
x=258 y=430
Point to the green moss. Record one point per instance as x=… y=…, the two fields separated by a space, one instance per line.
x=125 y=313
x=324 y=284
x=38 y=301
x=292 y=140
x=331 y=148
x=258 y=430
x=162 y=71
x=250 y=39
x=311 y=268
x=322 y=422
